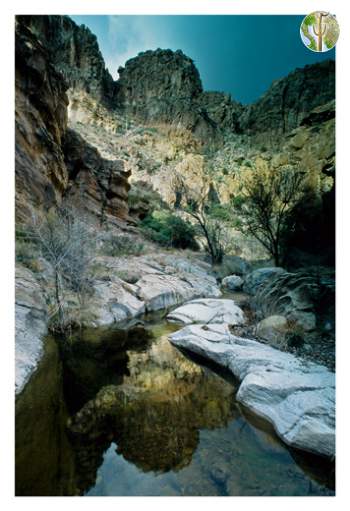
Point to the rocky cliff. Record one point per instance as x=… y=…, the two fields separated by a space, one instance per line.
x=74 y=52
x=54 y=56
x=289 y=100
x=41 y=120
x=165 y=86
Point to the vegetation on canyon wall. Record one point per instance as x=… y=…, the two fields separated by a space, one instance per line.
x=153 y=160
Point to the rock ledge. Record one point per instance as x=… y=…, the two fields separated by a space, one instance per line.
x=296 y=396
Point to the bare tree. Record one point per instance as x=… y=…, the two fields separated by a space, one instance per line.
x=195 y=202
x=66 y=243
x=266 y=203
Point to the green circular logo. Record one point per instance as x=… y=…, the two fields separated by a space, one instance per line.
x=319 y=31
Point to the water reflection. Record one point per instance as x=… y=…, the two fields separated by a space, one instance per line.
x=125 y=413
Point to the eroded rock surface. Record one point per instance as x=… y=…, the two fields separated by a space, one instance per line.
x=296 y=396
x=132 y=286
x=304 y=297
x=208 y=311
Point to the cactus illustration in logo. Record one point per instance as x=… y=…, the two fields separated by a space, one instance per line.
x=319 y=31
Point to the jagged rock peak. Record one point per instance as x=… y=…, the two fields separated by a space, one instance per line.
x=290 y=99
x=161 y=74
x=165 y=86
x=74 y=52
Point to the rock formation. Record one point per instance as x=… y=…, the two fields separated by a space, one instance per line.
x=100 y=186
x=297 y=397
x=52 y=55
x=41 y=120
x=288 y=101
x=73 y=50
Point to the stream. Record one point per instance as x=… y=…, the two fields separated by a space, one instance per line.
x=163 y=423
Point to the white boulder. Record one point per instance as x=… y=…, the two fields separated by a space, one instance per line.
x=208 y=310
x=296 y=396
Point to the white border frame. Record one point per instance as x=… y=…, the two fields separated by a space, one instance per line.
x=337 y=7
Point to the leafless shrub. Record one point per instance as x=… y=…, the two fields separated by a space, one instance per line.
x=64 y=240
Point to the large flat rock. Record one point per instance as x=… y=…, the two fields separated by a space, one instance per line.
x=208 y=310
x=296 y=396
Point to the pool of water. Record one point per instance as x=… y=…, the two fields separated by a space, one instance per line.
x=125 y=413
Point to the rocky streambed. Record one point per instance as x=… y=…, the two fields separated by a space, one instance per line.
x=119 y=394
x=123 y=289
x=123 y=412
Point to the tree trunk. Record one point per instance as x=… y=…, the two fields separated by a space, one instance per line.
x=58 y=301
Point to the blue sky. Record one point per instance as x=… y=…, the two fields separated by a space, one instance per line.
x=241 y=55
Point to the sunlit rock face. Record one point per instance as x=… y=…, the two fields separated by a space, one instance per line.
x=53 y=54
x=156 y=414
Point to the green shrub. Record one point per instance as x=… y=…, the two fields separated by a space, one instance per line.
x=169 y=230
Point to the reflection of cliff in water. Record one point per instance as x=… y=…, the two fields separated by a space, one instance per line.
x=155 y=415
x=144 y=419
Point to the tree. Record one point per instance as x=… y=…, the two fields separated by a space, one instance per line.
x=196 y=202
x=269 y=196
x=66 y=243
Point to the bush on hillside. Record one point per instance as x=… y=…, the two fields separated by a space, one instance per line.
x=169 y=230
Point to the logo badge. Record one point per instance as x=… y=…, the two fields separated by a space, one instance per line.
x=319 y=31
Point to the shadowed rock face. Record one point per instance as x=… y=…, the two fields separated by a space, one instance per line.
x=52 y=54
x=288 y=101
x=74 y=52
x=41 y=119
x=165 y=86
x=98 y=185
x=159 y=84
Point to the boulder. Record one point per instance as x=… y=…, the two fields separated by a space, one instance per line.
x=256 y=278
x=296 y=396
x=159 y=282
x=114 y=301
x=208 y=311
x=273 y=329
x=234 y=265
x=232 y=282
x=303 y=297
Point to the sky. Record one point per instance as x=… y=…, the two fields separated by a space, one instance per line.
x=240 y=55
